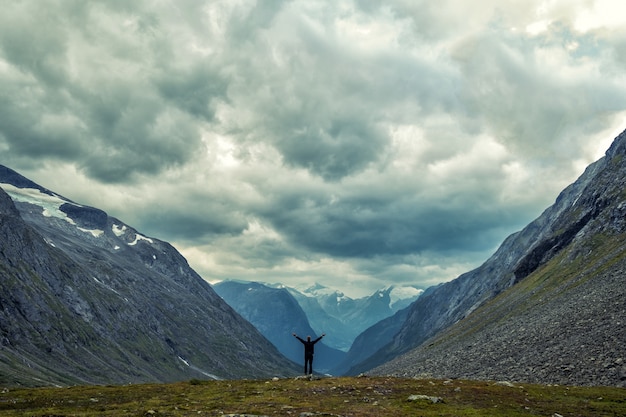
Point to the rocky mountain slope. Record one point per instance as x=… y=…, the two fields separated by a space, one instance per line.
x=85 y=298
x=370 y=341
x=548 y=306
x=276 y=314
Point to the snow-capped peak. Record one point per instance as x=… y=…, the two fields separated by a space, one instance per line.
x=402 y=293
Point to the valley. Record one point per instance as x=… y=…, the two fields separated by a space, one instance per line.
x=87 y=299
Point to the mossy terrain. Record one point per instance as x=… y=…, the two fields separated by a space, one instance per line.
x=364 y=396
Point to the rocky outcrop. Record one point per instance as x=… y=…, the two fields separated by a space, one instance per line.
x=87 y=217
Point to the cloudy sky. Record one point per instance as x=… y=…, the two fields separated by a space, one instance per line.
x=354 y=143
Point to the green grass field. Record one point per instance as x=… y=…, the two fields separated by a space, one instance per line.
x=365 y=396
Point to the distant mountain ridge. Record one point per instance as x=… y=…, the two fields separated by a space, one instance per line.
x=389 y=299
x=549 y=306
x=327 y=308
x=85 y=298
x=277 y=314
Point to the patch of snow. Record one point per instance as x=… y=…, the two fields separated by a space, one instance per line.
x=139 y=237
x=94 y=232
x=317 y=290
x=195 y=368
x=107 y=287
x=118 y=230
x=49 y=242
x=50 y=204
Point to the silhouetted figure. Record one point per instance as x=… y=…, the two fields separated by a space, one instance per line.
x=309 y=351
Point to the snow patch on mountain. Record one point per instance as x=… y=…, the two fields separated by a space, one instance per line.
x=210 y=375
x=94 y=232
x=318 y=290
x=139 y=237
x=118 y=230
x=109 y=288
x=50 y=204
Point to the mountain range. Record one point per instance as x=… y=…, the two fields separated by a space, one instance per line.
x=87 y=299
x=277 y=315
x=344 y=318
x=277 y=311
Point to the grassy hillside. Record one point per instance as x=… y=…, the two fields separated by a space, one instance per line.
x=366 y=396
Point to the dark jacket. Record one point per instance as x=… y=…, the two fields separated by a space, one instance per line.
x=309 y=345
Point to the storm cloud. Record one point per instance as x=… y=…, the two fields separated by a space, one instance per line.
x=358 y=144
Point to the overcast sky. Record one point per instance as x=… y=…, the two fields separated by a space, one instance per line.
x=353 y=143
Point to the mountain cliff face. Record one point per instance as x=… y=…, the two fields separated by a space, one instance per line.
x=548 y=306
x=276 y=314
x=85 y=298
